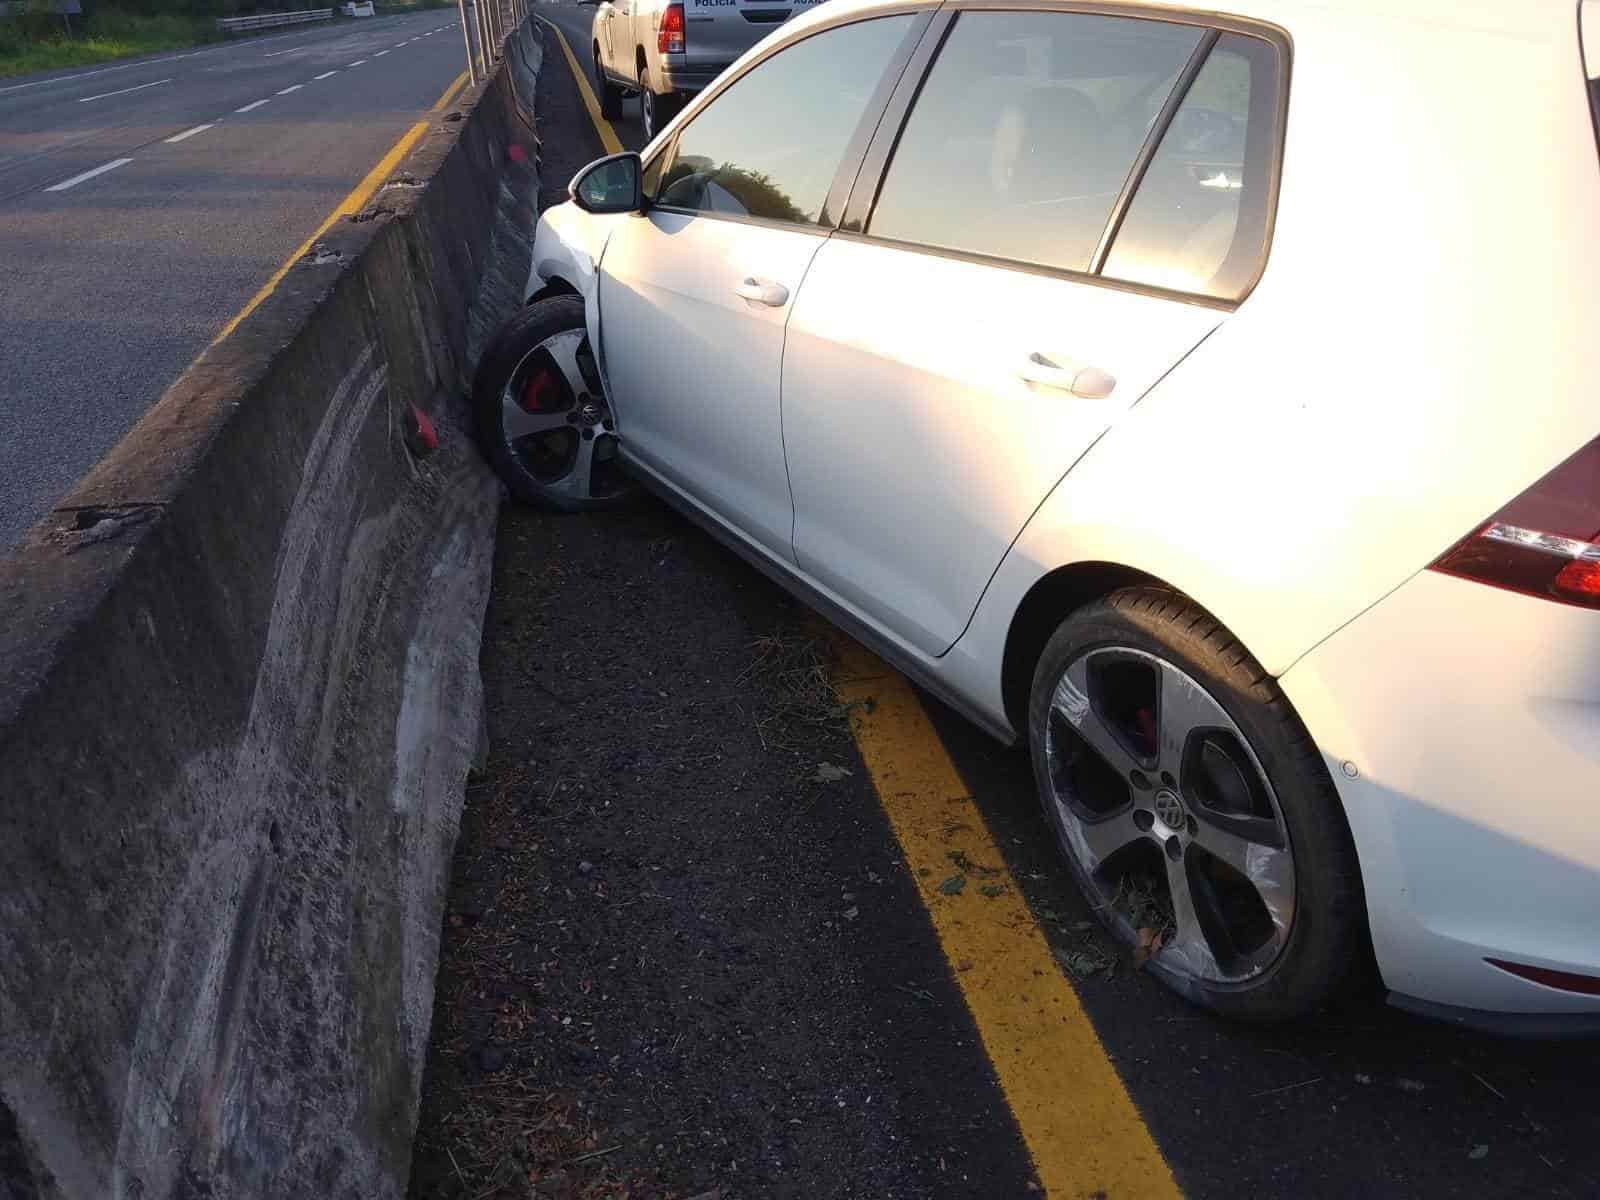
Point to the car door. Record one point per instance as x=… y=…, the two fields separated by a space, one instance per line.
x=694 y=295
x=962 y=341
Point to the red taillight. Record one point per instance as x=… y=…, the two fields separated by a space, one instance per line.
x=1566 y=981
x=1546 y=542
x=670 y=39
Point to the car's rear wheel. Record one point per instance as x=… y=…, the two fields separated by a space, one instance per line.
x=610 y=95
x=542 y=414
x=1193 y=808
x=655 y=111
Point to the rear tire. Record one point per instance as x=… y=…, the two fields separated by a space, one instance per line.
x=655 y=110
x=1193 y=808
x=609 y=94
x=541 y=413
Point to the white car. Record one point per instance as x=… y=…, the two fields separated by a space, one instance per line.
x=1208 y=401
x=351 y=9
x=666 y=50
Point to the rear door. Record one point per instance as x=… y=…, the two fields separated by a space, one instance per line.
x=1073 y=203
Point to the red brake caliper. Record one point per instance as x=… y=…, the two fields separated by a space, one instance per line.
x=540 y=392
x=1147 y=729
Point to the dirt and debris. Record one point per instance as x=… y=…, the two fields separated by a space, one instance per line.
x=660 y=976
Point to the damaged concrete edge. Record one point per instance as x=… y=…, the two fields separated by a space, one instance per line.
x=239 y=698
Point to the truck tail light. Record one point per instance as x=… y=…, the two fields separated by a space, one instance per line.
x=1546 y=542
x=670 y=38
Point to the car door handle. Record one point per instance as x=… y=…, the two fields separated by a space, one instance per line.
x=1089 y=382
x=763 y=291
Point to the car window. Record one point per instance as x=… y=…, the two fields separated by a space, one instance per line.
x=1025 y=130
x=1198 y=222
x=770 y=144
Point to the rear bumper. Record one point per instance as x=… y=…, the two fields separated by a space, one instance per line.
x=692 y=77
x=1461 y=726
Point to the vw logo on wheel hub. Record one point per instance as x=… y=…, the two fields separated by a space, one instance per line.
x=1169 y=809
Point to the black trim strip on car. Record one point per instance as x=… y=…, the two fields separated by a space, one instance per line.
x=885 y=131
x=844 y=177
x=1141 y=161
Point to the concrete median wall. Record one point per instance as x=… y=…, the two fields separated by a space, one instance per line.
x=239 y=697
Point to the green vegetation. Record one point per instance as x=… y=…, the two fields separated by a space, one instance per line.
x=37 y=41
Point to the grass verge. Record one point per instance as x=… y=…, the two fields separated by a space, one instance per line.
x=37 y=43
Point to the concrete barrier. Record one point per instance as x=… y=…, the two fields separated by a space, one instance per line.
x=239 y=697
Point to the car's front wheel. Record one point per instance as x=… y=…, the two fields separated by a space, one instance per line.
x=542 y=415
x=1193 y=808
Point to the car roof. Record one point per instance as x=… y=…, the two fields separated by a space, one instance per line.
x=1490 y=16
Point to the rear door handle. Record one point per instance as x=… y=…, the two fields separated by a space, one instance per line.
x=763 y=291
x=1089 y=382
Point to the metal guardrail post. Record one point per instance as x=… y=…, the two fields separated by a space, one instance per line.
x=466 y=37
x=485 y=35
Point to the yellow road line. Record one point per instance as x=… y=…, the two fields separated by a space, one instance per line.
x=1080 y=1125
x=608 y=135
x=449 y=92
x=350 y=204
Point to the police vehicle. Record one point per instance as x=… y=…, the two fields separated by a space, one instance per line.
x=666 y=51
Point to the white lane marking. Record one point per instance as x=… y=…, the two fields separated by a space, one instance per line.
x=189 y=133
x=149 y=62
x=380 y=54
x=77 y=179
x=123 y=91
x=397 y=45
x=358 y=62
x=257 y=104
x=291 y=88
x=290 y=50
x=324 y=75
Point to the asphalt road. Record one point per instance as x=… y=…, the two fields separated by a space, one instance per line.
x=214 y=166
x=575 y=22
x=682 y=959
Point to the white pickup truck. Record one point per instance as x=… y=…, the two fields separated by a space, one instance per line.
x=666 y=50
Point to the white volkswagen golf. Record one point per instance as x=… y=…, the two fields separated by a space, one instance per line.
x=1210 y=401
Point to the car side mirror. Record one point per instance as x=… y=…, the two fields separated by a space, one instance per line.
x=609 y=185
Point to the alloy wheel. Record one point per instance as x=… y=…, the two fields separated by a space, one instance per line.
x=556 y=423
x=1168 y=814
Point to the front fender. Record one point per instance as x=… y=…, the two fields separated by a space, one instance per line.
x=568 y=244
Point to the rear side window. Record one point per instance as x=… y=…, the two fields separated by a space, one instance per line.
x=1025 y=130
x=1198 y=222
x=770 y=144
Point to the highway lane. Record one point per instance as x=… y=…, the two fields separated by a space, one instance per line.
x=576 y=24
x=143 y=204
